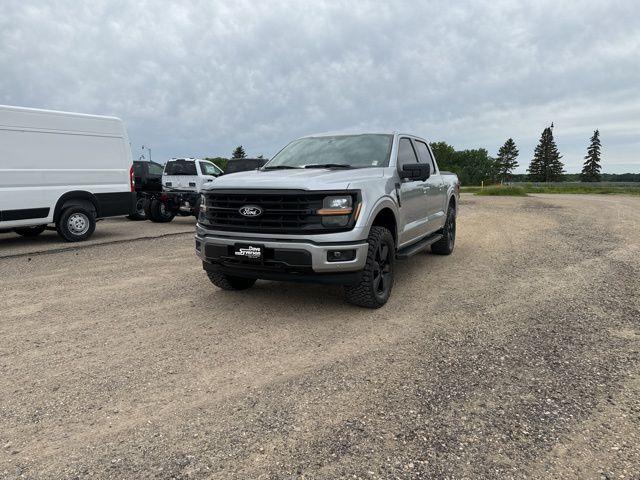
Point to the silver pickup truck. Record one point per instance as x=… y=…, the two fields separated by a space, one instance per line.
x=329 y=209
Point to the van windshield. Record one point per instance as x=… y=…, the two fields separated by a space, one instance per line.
x=180 y=167
x=356 y=151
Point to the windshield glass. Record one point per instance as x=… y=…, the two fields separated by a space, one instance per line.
x=357 y=151
x=180 y=167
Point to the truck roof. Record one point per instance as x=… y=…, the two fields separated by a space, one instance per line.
x=360 y=132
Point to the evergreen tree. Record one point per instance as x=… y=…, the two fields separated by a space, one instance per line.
x=591 y=168
x=239 y=152
x=546 y=165
x=506 y=160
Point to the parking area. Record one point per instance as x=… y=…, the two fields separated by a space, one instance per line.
x=517 y=356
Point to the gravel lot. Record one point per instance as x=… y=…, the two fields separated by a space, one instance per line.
x=516 y=357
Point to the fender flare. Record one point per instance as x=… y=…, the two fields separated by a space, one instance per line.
x=385 y=202
x=76 y=197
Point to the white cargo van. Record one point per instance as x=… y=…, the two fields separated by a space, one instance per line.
x=68 y=169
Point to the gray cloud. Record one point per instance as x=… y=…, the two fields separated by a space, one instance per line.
x=197 y=78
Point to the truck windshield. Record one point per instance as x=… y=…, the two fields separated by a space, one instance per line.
x=180 y=167
x=357 y=151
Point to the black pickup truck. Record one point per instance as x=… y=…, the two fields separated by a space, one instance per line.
x=148 y=178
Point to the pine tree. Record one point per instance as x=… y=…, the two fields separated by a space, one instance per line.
x=506 y=160
x=546 y=165
x=591 y=168
x=239 y=152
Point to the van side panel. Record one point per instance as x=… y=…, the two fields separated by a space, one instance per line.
x=45 y=154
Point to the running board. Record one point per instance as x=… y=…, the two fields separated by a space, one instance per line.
x=414 y=248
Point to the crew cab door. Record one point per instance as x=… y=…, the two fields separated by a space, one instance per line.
x=208 y=173
x=435 y=188
x=413 y=201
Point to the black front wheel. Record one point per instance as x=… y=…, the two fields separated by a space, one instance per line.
x=229 y=282
x=374 y=288
x=30 y=231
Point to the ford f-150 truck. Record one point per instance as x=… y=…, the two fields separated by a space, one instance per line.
x=330 y=209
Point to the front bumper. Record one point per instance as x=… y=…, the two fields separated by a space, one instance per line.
x=282 y=256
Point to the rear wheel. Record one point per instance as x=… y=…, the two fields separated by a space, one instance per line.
x=76 y=224
x=376 y=283
x=140 y=211
x=158 y=212
x=30 y=231
x=445 y=245
x=229 y=282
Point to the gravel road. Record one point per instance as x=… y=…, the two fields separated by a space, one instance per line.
x=516 y=357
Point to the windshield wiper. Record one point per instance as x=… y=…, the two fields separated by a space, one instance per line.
x=328 y=165
x=278 y=167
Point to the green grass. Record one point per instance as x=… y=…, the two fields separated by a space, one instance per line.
x=523 y=189
x=500 y=191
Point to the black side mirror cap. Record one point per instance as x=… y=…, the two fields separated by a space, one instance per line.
x=416 y=171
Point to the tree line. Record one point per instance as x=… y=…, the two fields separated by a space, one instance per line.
x=238 y=152
x=476 y=165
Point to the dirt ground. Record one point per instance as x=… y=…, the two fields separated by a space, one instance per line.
x=516 y=357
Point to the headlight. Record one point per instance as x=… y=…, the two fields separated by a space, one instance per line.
x=338 y=205
x=203 y=203
x=336 y=210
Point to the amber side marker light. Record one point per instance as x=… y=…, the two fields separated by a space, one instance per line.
x=334 y=211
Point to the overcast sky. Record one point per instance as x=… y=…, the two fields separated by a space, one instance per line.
x=197 y=78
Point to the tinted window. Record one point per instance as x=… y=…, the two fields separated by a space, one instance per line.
x=155 y=168
x=369 y=150
x=425 y=155
x=180 y=167
x=209 y=169
x=406 y=154
x=243 y=165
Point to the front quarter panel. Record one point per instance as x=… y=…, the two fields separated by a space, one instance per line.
x=377 y=195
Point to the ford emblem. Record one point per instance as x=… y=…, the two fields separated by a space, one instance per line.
x=250 y=211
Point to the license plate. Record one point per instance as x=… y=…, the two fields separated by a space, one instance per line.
x=249 y=252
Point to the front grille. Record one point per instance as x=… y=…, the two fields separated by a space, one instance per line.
x=290 y=212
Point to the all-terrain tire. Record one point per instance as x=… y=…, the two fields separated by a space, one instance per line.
x=376 y=282
x=229 y=282
x=157 y=212
x=30 y=231
x=76 y=223
x=446 y=244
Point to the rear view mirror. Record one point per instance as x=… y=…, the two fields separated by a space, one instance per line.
x=416 y=171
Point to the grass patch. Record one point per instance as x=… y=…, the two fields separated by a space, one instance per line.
x=575 y=188
x=502 y=191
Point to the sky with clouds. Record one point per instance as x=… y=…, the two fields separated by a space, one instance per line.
x=196 y=78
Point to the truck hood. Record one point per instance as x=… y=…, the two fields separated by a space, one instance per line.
x=302 y=179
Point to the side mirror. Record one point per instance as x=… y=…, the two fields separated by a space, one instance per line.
x=416 y=171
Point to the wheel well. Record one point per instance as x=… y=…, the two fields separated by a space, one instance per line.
x=386 y=218
x=452 y=202
x=77 y=198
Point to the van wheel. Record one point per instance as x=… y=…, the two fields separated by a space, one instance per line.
x=30 y=231
x=140 y=211
x=376 y=283
x=158 y=212
x=445 y=245
x=76 y=224
x=229 y=282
